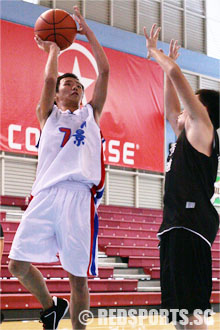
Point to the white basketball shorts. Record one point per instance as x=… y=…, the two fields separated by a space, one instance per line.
x=60 y=219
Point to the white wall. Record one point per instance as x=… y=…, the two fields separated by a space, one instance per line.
x=213 y=28
x=32 y=1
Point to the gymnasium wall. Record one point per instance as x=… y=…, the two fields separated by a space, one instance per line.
x=26 y=14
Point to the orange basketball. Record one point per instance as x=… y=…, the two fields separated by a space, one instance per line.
x=56 y=25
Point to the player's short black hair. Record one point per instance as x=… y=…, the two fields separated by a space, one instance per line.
x=210 y=99
x=65 y=75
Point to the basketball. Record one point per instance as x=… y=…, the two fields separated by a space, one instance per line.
x=56 y=25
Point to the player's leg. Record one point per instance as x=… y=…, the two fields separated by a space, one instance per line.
x=35 y=241
x=168 y=295
x=191 y=277
x=31 y=278
x=77 y=244
x=75 y=241
x=198 y=280
x=79 y=300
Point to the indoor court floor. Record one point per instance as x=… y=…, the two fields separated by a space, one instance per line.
x=105 y=324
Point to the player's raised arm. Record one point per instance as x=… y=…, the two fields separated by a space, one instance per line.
x=100 y=90
x=50 y=77
x=172 y=103
x=196 y=118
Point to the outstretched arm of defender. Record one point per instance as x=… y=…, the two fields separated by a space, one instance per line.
x=191 y=103
x=198 y=119
x=50 y=77
x=172 y=103
x=100 y=90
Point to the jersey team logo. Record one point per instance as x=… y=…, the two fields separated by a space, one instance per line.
x=170 y=157
x=79 y=60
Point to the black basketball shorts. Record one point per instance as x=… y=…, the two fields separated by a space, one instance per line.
x=185 y=272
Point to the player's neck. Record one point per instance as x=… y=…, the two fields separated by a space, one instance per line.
x=71 y=107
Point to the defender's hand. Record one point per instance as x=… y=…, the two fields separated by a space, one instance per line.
x=151 y=41
x=83 y=26
x=173 y=50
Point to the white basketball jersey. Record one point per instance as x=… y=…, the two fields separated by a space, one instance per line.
x=69 y=149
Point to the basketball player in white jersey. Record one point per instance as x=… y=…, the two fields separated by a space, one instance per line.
x=62 y=215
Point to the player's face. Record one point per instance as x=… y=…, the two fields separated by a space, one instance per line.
x=70 y=89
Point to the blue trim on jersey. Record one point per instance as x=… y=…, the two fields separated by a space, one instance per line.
x=38 y=143
x=99 y=194
x=96 y=229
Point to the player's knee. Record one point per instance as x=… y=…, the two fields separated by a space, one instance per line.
x=18 y=268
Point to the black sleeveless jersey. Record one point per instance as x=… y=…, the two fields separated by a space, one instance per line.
x=189 y=186
x=1 y=232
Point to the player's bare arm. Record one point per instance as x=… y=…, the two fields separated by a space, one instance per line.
x=50 y=77
x=199 y=129
x=100 y=90
x=172 y=103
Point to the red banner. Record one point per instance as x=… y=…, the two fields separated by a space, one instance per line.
x=132 y=121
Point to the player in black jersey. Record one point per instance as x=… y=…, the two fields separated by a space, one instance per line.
x=190 y=221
